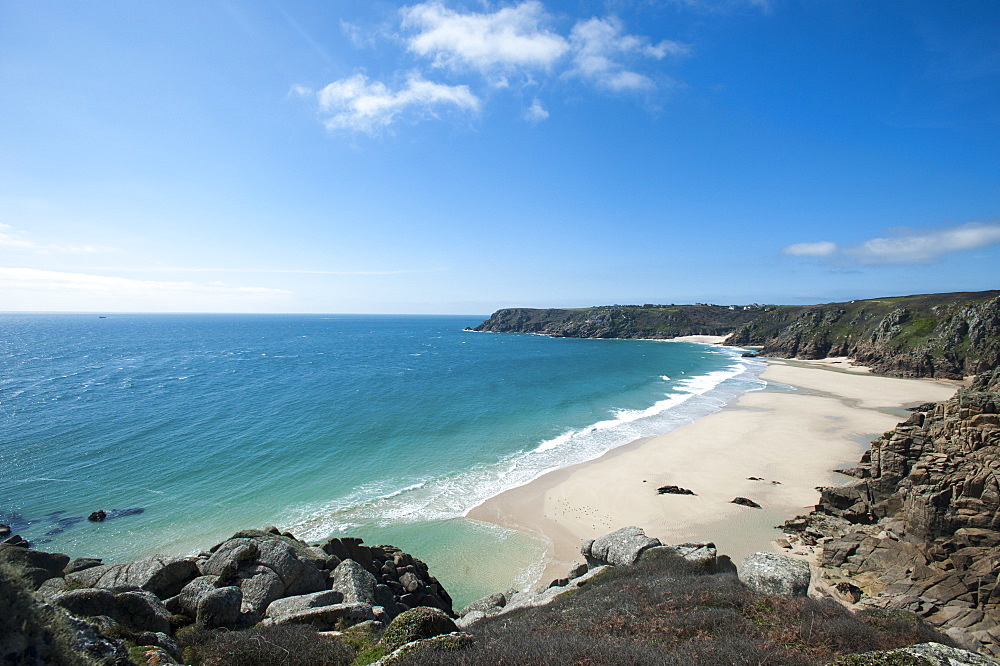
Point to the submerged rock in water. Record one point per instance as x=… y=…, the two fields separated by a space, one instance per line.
x=98 y=516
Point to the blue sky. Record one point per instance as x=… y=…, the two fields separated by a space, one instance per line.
x=458 y=156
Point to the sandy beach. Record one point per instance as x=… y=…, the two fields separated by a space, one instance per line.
x=814 y=417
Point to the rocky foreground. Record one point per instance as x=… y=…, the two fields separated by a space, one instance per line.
x=264 y=597
x=920 y=529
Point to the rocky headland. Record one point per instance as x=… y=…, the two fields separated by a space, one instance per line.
x=948 y=336
x=919 y=530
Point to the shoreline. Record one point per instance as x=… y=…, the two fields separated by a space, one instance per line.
x=812 y=418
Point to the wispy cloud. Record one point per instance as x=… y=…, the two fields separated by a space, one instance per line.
x=355 y=103
x=905 y=245
x=820 y=249
x=516 y=45
x=600 y=43
x=20 y=278
x=276 y=271
x=536 y=113
x=11 y=238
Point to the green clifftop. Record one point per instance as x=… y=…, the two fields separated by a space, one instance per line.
x=623 y=321
x=927 y=335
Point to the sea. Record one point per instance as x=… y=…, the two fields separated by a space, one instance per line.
x=185 y=428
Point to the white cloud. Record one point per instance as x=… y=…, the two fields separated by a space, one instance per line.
x=912 y=246
x=820 y=249
x=536 y=113
x=511 y=37
x=35 y=289
x=599 y=44
x=355 y=103
x=905 y=245
x=11 y=238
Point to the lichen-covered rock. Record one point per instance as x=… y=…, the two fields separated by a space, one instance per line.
x=326 y=618
x=288 y=605
x=219 y=607
x=138 y=611
x=771 y=573
x=38 y=566
x=924 y=654
x=416 y=624
x=265 y=568
x=619 y=548
x=445 y=642
x=163 y=576
x=488 y=604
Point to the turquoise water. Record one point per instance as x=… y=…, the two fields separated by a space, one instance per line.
x=186 y=428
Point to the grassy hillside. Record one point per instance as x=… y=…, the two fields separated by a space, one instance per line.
x=926 y=335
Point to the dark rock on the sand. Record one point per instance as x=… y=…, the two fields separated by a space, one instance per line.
x=848 y=592
x=674 y=490
x=856 y=472
x=138 y=611
x=754 y=478
x=354 y=582
x=743 y=501
x=98 y=516
x=219 y=607
x=163 y=576
x=618 y=548
x=416 y=624
x=771 y=573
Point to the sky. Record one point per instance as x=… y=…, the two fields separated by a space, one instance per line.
x=460 y=156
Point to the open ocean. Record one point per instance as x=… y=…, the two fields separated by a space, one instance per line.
x=187 y=428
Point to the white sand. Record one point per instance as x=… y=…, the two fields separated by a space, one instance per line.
x=794 y=437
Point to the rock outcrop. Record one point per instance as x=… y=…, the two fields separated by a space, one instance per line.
x=920 y=530
x=256 y=576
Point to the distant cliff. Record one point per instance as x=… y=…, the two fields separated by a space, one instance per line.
x=930 y=335
x=624 y=321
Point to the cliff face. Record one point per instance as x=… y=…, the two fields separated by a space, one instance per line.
x=921 y=530
x=936 y=335
x=622 y=321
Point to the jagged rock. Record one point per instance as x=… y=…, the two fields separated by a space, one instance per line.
x=771 y=573
x=618 y=548
x=219 y=607
x=847 y=592
x=416 y=624
x=674 y=490
x=354 y=582
x=98 y=516
x=743 y=501
x=163 y=576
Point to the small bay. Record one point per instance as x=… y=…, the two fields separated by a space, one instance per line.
x=186 y=428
